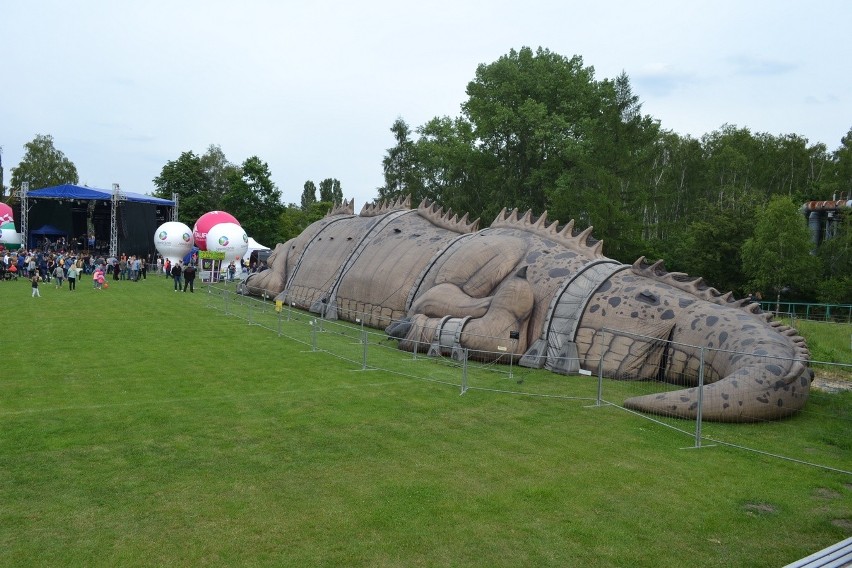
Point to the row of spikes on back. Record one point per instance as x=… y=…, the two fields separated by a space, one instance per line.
x=696 y=286
x=428 y=210
x=564 y=235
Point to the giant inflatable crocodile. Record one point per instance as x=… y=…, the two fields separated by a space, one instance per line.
x=548 y=295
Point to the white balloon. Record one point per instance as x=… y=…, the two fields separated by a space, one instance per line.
x=173 y=240
x=230 y=239
x=10 y=238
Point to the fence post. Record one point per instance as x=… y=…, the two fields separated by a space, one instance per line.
x=700 y=399
x=464 y=372
x=225 y=299
x=313 y=334
x=600 y=381
x=279 y=323
x=364 y=342
x=248 y=304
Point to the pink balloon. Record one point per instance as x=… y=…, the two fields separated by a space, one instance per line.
x=207 y=222
x=5 y=214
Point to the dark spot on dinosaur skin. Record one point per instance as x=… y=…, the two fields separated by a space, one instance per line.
x=594 y=308
x=725 y=396
x=780 y=403
x=559 y=272
x=648 y=297
x=694 y=325
x=614 y=301
x=604 y=287
x=740 y=402
x=693 y=406
x=723 y=337
x=804 y=381
x=684 y=399
x=565 y=255
x=712 y=320
x=760 y=352
x=774 y=369
x=685 y=303
x=634 y=314
x=726 y=406
x=667 y=315
x=532 y=256
x=764 y=399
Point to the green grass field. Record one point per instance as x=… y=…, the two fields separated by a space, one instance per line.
x=143 y=427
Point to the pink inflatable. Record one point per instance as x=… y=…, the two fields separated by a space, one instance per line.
x=207 y=222
x=5 y=214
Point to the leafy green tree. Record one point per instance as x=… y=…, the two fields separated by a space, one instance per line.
x=835 y=253
x=187 y=178
x=839 y=179
x=43 y=165
x=330 y=191
x=309 y=195
x=711 y=246
x=255 y=200
x=778 y=256
x=294 y=219
x=217 y=170
x=400 y=166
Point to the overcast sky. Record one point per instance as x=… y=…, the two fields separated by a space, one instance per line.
x=312 y=88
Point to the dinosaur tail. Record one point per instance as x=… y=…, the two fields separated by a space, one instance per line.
x=753 y=387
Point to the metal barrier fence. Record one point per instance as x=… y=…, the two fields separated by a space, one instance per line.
x=817 y=435
x=840 y=313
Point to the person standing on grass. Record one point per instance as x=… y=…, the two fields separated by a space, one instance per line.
x=72 y=277
x=59 y=274
x=189 y=277
x=176 y=272
x=35 y=280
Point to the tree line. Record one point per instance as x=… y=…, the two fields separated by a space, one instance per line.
x=539 y=131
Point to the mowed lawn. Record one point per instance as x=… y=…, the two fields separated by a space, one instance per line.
x=140 y=427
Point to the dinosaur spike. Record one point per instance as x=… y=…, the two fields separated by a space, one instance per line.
x=568 y=229
x=582 y=237
x=542 y=221
x=658 y=267
x=446 y=219
x=345 y=208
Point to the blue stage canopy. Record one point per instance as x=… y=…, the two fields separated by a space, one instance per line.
x=70 y=191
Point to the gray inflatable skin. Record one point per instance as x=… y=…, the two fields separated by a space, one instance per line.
x=548 y=296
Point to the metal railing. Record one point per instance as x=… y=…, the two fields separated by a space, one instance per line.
x=467 y=370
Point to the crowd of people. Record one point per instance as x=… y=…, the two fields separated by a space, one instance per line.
x=44 y=266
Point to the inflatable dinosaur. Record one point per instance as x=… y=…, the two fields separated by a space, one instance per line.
x=548 y=296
